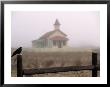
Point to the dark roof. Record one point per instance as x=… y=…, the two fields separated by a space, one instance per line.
x=57 y=22
x=46 y=35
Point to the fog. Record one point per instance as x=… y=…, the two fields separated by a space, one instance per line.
x=82 y=28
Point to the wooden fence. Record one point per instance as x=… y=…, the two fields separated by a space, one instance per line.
x=20 y=71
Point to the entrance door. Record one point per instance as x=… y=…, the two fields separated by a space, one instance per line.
x=59 y=44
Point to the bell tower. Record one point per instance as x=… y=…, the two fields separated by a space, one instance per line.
x=57 y=25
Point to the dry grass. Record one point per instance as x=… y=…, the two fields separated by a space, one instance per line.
x=38 y=59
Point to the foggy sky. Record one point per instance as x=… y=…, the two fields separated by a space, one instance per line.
x=82 y=28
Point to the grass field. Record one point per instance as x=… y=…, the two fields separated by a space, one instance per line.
x=40 y=58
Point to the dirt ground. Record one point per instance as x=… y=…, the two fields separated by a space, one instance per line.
x=38 y=59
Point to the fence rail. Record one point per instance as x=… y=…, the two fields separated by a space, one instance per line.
x=58 y=69
x=20 y=71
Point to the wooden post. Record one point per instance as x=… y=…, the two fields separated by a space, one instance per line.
x=94 y=63
x=19 y=66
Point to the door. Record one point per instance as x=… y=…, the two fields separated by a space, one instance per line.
x=59 y=44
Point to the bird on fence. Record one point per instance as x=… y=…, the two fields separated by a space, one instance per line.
x=18 y=51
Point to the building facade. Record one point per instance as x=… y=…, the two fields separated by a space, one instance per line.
x=52 y=39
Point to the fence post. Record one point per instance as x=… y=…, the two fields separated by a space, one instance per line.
x=94 y=63
x=19 y=66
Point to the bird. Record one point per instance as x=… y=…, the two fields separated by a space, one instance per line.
x=18 y=51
